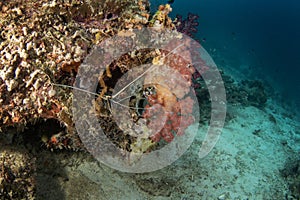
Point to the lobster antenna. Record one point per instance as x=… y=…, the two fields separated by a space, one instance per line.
x=93 y=93
x=149 y=69
x=112 y=97
x=75 y=88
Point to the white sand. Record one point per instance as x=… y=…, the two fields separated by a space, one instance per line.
x=244 y=164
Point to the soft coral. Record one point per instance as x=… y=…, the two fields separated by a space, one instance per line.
x=187 y=26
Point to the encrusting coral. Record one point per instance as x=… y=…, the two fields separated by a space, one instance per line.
x=43 y=43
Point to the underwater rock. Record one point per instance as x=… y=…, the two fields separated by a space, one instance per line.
x=42 y=44
x=256 y=93
x=160 y=187
x=17 y=171
x=150 y=94
x=291 y=173
x=246 y=93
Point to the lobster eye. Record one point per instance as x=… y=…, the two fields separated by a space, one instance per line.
x=149 y=91
x=146 y=93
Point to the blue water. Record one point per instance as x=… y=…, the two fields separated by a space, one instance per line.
x=264 y=35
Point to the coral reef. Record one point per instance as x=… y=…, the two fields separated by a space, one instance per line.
x=44 y=42
x=187 y=26
x=291 y=173
x=246 y=93
x=161 y=103
x=256 y=92
x=170 y=97
x=160 y=19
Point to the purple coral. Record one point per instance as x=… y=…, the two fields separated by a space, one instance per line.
x=187 y=26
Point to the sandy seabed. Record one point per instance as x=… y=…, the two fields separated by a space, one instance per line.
x=247 y=163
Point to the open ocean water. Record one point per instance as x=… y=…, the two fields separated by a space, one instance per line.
x=263 y=36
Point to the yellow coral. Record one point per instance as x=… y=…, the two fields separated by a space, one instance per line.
x=142 y=145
